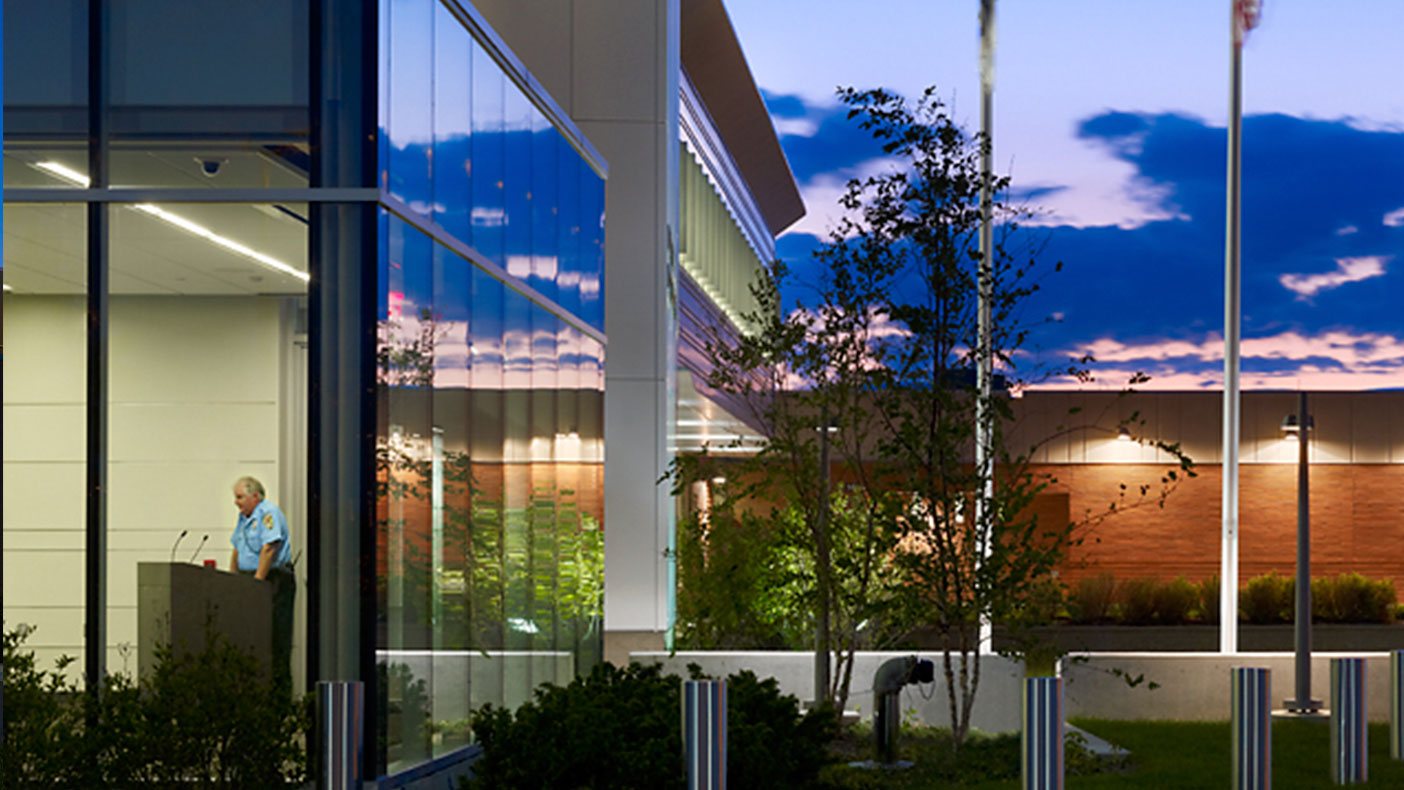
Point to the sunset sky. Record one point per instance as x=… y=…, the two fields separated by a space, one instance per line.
x=1110 y=118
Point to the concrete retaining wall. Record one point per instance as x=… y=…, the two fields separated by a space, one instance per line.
x=1195 y=686
x=996 y=700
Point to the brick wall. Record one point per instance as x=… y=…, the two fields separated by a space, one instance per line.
x=1357 y=520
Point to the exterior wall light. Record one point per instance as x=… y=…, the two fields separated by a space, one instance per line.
x=1123 y=434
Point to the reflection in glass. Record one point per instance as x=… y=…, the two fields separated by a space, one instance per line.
x=452 y=160
x=46 y=90
x=45 y=399
x=490 y=552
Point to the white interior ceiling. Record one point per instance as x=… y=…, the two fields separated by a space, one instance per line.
x=165 y=253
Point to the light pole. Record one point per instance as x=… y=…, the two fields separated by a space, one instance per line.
x=1301 y=423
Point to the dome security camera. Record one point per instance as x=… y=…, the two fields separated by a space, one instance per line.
x=210 y=167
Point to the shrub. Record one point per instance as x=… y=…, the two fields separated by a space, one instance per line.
x=1209 y=591
x=1352 y=598
x=1174 y=600
x=619 y=728
x=201 y=719
x=1092 y=598
x=1136 y=598
x=1268 y=599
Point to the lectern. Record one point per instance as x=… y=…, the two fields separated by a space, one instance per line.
x=175 y=601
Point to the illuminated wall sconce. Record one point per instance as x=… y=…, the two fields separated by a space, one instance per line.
x=1291 y=426
x=1123 y=434
x=716 y=481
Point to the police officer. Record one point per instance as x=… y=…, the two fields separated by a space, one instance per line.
x=262 y=547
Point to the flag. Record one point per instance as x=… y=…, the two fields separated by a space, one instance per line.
x=1246 y=14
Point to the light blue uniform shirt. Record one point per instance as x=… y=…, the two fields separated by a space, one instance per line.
x=263 y=526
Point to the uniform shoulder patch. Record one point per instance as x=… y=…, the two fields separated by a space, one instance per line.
x=268 y=521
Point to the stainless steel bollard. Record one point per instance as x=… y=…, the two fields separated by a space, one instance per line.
x=704 y=733
x=340 y=725
x=1396 y=705
x=1041 y=736
x=1251 y=731
x=1350 y=736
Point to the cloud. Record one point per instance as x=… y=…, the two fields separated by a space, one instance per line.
x=1348 y=270
x=1395 y=218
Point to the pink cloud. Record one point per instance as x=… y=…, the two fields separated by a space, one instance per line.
x=1395 y=218
x=1348 y=270
x=1367 y=360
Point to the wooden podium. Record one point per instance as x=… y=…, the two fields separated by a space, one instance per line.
x=176 y=599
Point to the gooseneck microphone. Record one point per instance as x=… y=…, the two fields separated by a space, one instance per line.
x=177 y=543
x=197 y=548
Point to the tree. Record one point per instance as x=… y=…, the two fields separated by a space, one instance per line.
x=880 y=359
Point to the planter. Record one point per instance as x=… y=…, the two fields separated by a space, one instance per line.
x=1371 y=637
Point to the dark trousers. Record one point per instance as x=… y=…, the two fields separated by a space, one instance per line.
x=284 y=593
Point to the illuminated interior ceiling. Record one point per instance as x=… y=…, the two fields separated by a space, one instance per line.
x=190 y=249
x=701 y=422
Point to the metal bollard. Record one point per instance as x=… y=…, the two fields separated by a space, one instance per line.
x=1251 y=736
x=1350 y=738
x=1396 y=705
x=704 y=733
x=1041 y=736
x=340 y=720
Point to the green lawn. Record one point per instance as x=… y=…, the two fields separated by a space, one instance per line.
x=1163 y=754
x=1193 y=754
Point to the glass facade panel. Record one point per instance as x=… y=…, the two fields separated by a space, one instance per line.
x=592 y=219
x=489 y=204
x=410 y=125
x=453 y=157
x=46 y=92
x=208 y=94
x=207 y=384
x=45 y=401
x=489 y=569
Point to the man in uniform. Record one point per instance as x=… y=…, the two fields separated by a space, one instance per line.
x=262 y=547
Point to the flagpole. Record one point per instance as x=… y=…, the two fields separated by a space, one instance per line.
x=983 y=351
x=1228 y=574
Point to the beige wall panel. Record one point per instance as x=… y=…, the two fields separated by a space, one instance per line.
x=1026 y=430
x=58 y=626
x=46 y=357
x=1332 y=437
x=53 y=432
x=1396 y=429
x=1369 y=428
x=616 y=78
x=193 y=349
x=176 y=495
x=43 y=539
x=193 y=432
x=538 y=32
x=1201 y=427
x=43 y=578
x=39 y=496
x=1261 y=438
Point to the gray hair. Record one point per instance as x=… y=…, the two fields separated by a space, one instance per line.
x=251 y=486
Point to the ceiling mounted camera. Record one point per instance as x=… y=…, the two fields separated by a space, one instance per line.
x=210 y=167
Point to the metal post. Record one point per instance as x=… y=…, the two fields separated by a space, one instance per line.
x=340 y=716
x=1396 y=705
x=823 y=637
x=704 y=733
x=1350 y=738
x=1302 y=631
x=1228 y=573
x=1251 y=731
x=984 y=341
x=1041 y=736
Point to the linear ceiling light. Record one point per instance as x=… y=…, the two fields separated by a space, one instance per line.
x=64 y=172
x=69 y=174
x=229 y=244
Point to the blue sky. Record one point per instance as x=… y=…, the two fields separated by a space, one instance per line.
x=1110 y=118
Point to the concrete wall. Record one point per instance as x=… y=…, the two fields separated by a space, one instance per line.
x=996 y=700
x=1195 y=686
x=197 y=398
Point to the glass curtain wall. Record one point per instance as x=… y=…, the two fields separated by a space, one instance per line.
x=206 y=369
x=490 y=444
